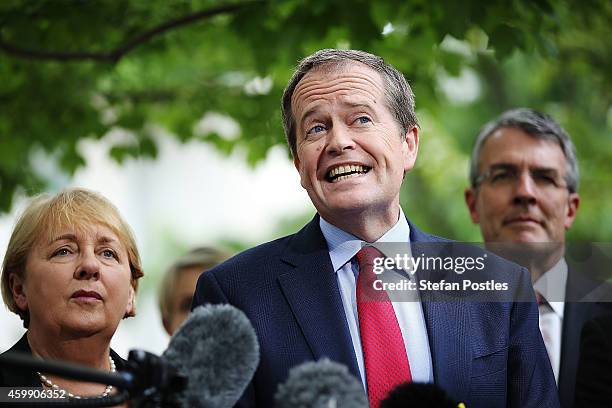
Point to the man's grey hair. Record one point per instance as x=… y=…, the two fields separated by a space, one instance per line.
x=537 y=125
x=400 y=98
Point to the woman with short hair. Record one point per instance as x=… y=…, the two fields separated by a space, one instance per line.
x=70 y=272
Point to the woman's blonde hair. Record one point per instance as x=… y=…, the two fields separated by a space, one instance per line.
x=46 y=215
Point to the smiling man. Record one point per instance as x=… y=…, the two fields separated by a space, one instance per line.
x=349 y=149
x=524 y=196
x=350 y=124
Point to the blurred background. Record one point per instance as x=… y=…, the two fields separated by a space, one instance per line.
x=171 y=110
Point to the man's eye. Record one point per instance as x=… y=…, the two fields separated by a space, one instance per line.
x=363 y=120
x=316 y=129
x=501 y=176
x=545 y=179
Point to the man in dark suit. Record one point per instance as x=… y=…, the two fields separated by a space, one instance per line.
x=524 y=195
x=594 y=379
x=350 y=124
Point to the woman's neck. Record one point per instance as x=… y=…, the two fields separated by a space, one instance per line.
x=92 y=351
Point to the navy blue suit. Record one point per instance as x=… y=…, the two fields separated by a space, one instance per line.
x=588 y=269
x=484 y=354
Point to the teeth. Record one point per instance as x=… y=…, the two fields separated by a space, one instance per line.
x=344 y=172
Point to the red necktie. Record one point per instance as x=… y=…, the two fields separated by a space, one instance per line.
x=384 y=353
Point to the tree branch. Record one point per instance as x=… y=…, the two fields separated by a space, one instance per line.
x=115 y=55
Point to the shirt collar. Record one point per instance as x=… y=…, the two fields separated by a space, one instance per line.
x=551 y=285
x=343 y=246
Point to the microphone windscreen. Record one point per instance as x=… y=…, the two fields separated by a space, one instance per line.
x=417 y=395
x=322 y=384
x=217 y=349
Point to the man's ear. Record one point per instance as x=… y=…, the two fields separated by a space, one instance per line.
x=410 y=148
x=470 y=195
x=297 y=164
x=572 y=209
x=18 y=290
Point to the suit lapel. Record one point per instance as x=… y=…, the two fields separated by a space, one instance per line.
x=448 y=326
x=575 y=314
x=311 y=289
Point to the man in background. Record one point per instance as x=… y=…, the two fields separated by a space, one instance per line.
x=179 y=282
x=524 y=195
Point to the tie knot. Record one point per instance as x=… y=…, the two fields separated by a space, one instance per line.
x=366 y=256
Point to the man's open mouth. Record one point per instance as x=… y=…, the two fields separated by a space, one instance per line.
x=347 y=171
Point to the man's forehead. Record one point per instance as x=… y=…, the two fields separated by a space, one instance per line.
x=332 y=72
x=338 y=67
x=353 y=81
x=515 y=146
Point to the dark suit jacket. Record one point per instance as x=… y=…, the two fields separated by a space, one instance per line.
x=23 y=377
x=583 y=277
x=487 y=354
x=594 y=384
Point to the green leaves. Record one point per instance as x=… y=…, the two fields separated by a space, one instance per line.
x=79 y=69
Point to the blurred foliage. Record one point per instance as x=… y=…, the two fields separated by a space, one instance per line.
x=77 y=69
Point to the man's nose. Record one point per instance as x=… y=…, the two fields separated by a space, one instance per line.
x=525 y=189
x=88 y=267
x=339 y=139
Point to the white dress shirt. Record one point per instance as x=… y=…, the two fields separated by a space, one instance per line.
x=551 y=285
x=342 y=248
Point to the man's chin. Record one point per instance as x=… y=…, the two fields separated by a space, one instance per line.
x=524 y=248
x=351 y=201
x=522 y=234
x=344 y=209
x=348 y=209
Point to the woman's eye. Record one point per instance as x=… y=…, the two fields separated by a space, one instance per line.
x=107 y=253
x=316 y=129
x=61 y=252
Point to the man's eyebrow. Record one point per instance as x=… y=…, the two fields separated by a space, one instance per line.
x=545 y=170
x=503 y=166
x=357 y=104
x=511 y=166
x=349 y=104
x=307 y=114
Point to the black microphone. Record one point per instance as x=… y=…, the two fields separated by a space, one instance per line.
x=414 y=394
x=217 y=350
x=208 y=363
x=322 y=384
